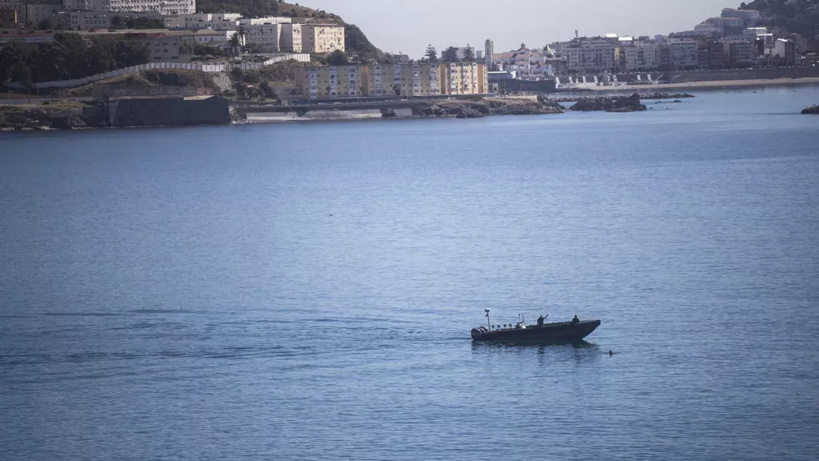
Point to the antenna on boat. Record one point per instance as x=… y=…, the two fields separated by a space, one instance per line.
x=488 y=323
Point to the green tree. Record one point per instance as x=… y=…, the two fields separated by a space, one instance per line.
x=269 y=92
x=469 y=55
x=235 y=44
x=117 y=22
x=337 y=58
x=450 y=54
x=431 y=54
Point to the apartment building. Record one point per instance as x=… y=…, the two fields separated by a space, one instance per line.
x=8 y=17
x=409 y=79
x=640 y=56
x=684 y=54
x=739 y=53
x=385 y=80
x=599 y=54
x=322 y=38
x=332 y=82
x=30 y=12
x=464 y=78
x=265 y=20
x=88 y=20
x=164 y=7
x=86 y=5
x=784 y=49
x=215 y=21
x=749 y=18
x=290 y=39
x=266 y=36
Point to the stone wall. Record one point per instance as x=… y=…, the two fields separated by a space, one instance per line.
x=171 y=111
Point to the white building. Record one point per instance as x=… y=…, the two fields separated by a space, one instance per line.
x=266 y=36
x=592 y=54
x=488 y=52
x=88 y=20
x=265 y=20
x=684 y=53
x=749 y=18
x=215 y=21
x=640 y=56
x=291 y=38
x=164 y=7
x=322 y=38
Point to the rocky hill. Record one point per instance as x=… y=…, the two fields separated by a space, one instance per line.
x=800 y=16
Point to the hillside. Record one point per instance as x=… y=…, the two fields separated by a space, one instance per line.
x=259 y=8
x=800 y=16
x=356 y=42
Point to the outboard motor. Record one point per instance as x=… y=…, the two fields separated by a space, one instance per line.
x=478 y=332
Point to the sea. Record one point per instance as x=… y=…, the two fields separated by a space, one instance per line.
x=305 y=291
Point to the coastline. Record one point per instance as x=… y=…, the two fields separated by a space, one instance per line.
x=75 y=115
x=706 y=85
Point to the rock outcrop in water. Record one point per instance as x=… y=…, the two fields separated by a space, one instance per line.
x=609 y=104
x=811 y=110
x=486 y=106
x=666 y=96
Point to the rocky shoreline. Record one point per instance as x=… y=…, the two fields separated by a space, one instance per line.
x=486 y=107
x=643 y=96
x=609 y=104
x=58 y=117
x=68 y=115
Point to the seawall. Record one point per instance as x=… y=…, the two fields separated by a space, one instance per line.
x=199 y=110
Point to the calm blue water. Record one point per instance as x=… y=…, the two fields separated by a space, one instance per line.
x=305 y=292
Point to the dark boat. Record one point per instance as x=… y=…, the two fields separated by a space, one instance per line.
x=558 y=332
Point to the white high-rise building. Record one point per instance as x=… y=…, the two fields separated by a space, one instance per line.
x=488 y=51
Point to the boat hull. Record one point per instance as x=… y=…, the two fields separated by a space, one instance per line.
x=563 y=332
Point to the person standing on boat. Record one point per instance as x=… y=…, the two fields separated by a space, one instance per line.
x=540 y=321
x=575 y=319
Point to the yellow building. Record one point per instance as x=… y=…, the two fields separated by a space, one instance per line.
x=464 y=78
x=386 y=80
x=332 y=82
x=410 y=79
x=322 y=38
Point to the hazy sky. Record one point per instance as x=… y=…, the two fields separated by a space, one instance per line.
x=409 y=25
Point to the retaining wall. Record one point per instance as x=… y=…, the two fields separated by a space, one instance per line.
x=220 y=67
